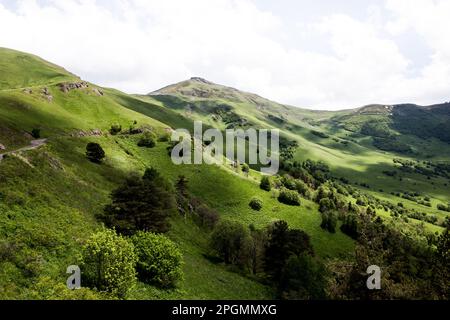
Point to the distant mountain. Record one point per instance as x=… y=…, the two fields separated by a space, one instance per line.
x=423 y=121
x=201 y=88
x=228 y=107
x=388 y=121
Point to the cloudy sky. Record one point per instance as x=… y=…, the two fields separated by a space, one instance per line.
x=321 y=54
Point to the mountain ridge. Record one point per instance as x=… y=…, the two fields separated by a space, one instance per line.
x=176 y=88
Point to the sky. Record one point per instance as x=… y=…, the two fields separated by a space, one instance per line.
x=319 y=54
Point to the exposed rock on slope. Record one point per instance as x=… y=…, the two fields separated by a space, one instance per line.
x=67 y=86
x=89 y=133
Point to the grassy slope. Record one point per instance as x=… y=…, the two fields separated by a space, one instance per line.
x=48 y=209
x=21 y=70
x=48 y=197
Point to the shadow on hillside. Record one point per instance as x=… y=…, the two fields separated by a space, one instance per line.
x=379 y=182
x=212 y=259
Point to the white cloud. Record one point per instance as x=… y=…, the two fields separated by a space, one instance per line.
x=142 y=45
x=430 y=20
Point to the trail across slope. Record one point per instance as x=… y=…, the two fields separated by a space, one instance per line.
x=34 y=144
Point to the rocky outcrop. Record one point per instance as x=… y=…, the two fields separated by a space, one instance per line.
x=196 y=92
x=88 y=133
x=201 y=80
x=97 y=92
x=68 y=86
x=139 y=130
x=53 y=162
x=96 y=132
x=47 y=94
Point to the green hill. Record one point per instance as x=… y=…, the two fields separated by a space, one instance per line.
x=50 y=196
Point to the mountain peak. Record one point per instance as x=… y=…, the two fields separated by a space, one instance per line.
x=200 y=80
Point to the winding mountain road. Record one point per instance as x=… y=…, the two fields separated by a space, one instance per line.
x=34 y=144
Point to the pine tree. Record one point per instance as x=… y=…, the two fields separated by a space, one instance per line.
x=182 y=195
x=141 y=205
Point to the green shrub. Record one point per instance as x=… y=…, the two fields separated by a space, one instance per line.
x=329 y=221
x=207 y=217
x=165 y=137
x=320 y=134
x=322 y=192
x=36 y=133
x=256 y=204
x=289 y=197
x=326 y=204
x=115 y=129
x=94 y=152
x=147 y=140
x=350 y=226
x=46 y=288
x=230 y=241
x=303 y=277
x=443 y=207
x=159 y=259
x=301 y=187
x=265 y=183
x=109 y=263
x=289 y=183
